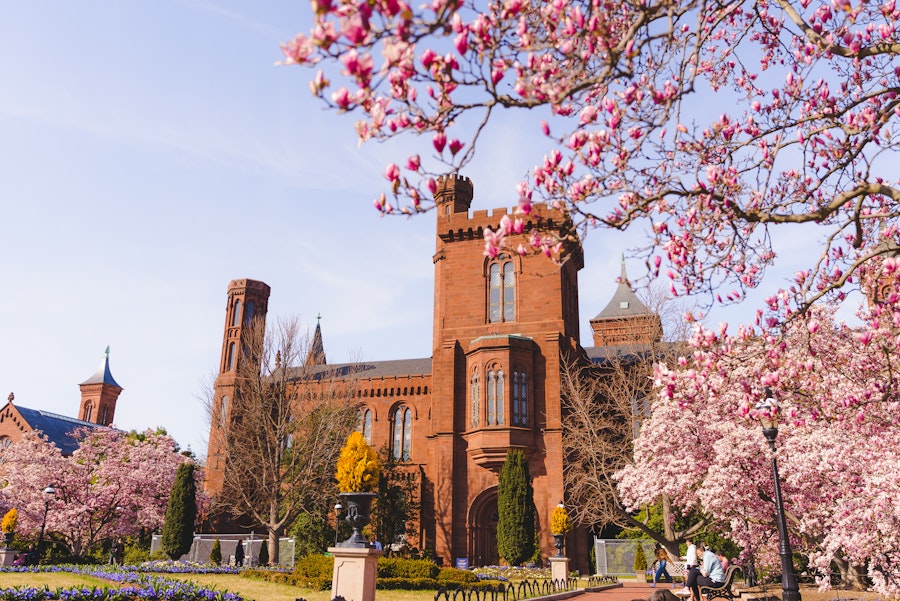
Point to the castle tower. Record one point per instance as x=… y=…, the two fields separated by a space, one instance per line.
x=500 y=326
x=99 y=394
x=248 y=300
x=626 y=320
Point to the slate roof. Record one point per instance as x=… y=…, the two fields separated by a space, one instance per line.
x=365 y=369
x=624 y=303
x=57 y=428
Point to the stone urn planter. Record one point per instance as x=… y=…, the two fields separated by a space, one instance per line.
x=558 y=542
x=359 y=514
x=8 y=539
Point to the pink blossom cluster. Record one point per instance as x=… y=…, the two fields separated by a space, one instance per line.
x=838 y=446
x=115 y=484
x=710 y=123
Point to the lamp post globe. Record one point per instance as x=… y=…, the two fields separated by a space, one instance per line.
x=767 y=411
x=337 y=523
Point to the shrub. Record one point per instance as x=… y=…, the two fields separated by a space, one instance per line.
x=314 y=566
x=264 y=553
x=406 y=584
x=396 y=567
x=215 y=556
x=515 y=509
x=455 y=578
x=559 y=520
x=178 y=529
x=640 y=560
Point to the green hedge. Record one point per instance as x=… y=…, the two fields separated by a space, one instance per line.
x=406 y=584
x=455 y=578
x=315 y=566
x=396 y=567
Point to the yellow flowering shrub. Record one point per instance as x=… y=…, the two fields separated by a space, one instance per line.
x=559 y=521
x=10 y=520
x=358 y=466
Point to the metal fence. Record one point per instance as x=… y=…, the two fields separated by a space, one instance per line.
x=203 y=544
x=616 y=557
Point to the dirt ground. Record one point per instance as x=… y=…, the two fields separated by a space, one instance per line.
x=810 y=593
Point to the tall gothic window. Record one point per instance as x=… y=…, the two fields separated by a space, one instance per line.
x=365 y=424
x=230 y=361
x=520 y=398
x=496 y=398
x=236 y=316
x=476 y=399
x=501 y=291
x=248 y=311
x=223 y=412
x=88 y=412
x=101 y=419
x=402 y=438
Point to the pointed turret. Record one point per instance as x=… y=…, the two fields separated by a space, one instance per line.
x=625 y=320
x=99 y=394
x=316 y=355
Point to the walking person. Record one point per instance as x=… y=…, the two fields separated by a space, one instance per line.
x=661 y=558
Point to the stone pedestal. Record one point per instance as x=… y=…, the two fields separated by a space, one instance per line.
x=355 y=570
x=7 y=556
x=559 y=569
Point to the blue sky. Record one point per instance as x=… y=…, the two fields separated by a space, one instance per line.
x=152 y=152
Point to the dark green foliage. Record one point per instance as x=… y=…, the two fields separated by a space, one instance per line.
x=215 y=556
x=314 y=534
x=515 y=510
x=263 y=553
x=178 y=529
x=397 y=500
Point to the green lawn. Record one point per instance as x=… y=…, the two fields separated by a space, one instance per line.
x=53 y=580
x=258 y=590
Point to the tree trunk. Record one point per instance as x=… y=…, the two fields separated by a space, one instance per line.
x=273 y=533
x=852 y=576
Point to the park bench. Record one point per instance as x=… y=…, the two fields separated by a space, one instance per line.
x=721 y=591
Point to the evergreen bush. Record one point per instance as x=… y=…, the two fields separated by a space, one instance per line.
x=515 y=509
x=215 y=556
x=640 y=560
x=181 y=512
x=397 y=567
x=263 y=559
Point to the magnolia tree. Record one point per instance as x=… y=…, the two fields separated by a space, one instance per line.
x=115 y=484
x=838 y=446
x=711 y=122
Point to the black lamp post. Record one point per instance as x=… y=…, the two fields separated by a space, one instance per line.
x=337 y=522
x=49 y=493
x=767 y=412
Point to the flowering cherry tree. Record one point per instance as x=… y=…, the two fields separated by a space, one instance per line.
x=114 y=484
x=711 y=122
x=838 y=448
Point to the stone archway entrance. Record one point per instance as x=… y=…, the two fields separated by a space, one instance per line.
x=483 y=529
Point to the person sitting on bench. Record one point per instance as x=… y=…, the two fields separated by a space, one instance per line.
x=709 y=573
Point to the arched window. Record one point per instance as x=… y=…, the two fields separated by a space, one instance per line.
x=402 y=438
x=230 y=362
x=476 y=399
x=248 y=311
x=365 y=424
x=501 y=291
x=520 y=398
x=223 y=411
x=101 y=419
x=5 y=441
x=236 y=316
x=88 y=412
x=495 y=398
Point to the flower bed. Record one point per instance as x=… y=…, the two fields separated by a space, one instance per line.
x=510 y=573
x=137 y=585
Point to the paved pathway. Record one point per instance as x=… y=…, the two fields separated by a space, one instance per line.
x=627 y=592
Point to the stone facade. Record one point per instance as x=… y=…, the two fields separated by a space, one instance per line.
x=502 y=328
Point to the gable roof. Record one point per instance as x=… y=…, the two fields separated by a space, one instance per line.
x=58 y=429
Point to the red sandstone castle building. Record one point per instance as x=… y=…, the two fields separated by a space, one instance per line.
x=503 y=327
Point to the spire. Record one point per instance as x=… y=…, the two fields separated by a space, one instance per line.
x=316 y=355
x=103 y=375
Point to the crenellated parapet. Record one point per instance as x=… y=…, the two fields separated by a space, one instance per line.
x=454 y=194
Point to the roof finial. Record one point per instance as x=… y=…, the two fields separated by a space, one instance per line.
x=106 y=354
x=10 y=397
x=318 y=318
x=623 y=278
